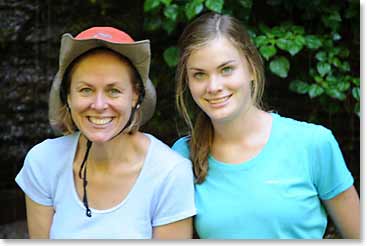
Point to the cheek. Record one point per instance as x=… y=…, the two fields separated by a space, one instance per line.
x=78 y=104
x=196 y=89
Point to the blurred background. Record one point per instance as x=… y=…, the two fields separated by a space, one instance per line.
x=311 y=51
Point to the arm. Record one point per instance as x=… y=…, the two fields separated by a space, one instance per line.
x=344 y=211
x=39 y=219
x=177 y=230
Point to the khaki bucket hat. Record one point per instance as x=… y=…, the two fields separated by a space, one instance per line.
x=138 y=52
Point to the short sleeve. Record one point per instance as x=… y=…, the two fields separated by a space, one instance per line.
x=181 y=146
x=331 y=175
x=33 y=179
x=175 y=197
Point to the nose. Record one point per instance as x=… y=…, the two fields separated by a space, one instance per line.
x=99 y=102
x=214 y=85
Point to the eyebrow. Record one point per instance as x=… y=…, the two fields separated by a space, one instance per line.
x=220 y=66
x=82 y=82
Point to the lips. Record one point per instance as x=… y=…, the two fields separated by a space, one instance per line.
x=100 y=120
x=218 y=100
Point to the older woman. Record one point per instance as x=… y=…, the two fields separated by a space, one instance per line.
x=104 y=178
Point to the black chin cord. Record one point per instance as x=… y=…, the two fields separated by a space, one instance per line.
x=83 y=167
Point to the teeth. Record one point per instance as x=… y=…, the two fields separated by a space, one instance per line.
x=218 y=100
x=99 y=121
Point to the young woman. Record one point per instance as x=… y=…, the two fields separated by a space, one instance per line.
x=259 y=175
x=105 y=179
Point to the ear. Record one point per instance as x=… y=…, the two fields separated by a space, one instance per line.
x=135 y=98
x=68 y=101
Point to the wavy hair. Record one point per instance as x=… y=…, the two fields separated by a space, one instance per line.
x=197 y=34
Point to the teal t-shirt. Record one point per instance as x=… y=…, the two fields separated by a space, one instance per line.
x=277 y=194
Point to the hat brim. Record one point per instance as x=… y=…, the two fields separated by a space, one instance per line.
x=138 y=53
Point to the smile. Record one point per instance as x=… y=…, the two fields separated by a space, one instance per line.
x=100 y=121
x=218 y=100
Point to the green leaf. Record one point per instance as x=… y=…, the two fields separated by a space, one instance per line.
x=344 y=52
x=283 y=43
x=171 y=11
x=265 y=29
x=166 y=2
x=321 y=56
x=151 y=4
x=296 y=46
x=261 y=40
x=299 y=86
x=336 y=36
x=268 y=51
x=335 y=16
x=323 y=68
x=356 y=81
x=280 y=66
x=152 y=24
x=343 y=86
x=357 y=109
x=278 y=31
x=169 y=25
x=345 y=66
x=193 y=8
x=297 y=29
x=214 y=5
x=336 y=61
x=313 y=42
x=315 y=90
x=171 y=56
x=335 y=93
x=355 y=93
x=247 y=4
x=331 y=79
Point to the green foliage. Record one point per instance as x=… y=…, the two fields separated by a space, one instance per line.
x=170 y=56
x=307 y=45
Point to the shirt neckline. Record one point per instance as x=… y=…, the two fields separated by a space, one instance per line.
x=251 y=162
x=129 y=194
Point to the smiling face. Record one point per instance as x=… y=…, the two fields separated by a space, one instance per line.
x=101 y=95
x=219 y=80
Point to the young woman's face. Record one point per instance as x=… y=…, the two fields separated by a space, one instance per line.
x=101 y=95
x=219 y=80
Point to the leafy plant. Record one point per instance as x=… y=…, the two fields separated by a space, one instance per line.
x=311 y=52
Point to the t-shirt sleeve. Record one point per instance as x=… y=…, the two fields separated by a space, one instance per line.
x=175 y=198
x=33 y=179
x=331 y=175
x=181 y=146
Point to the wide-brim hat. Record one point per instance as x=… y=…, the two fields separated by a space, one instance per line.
x=138 y=52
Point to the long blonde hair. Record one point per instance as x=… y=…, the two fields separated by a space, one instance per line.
x=198 y=34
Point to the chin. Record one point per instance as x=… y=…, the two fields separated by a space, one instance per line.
x=100 y=138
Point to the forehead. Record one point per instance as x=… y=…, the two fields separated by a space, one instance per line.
x=101 y=62
x=214 y=52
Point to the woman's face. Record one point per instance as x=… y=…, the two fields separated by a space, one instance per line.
x=101 y=95
x=219 y=80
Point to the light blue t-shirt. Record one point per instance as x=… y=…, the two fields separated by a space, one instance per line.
x=275 y=195
x=163 y=192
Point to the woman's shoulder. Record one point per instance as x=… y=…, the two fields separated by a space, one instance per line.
x=163 y=153
x=299 y=128
x=182 y=147
x=52 y=148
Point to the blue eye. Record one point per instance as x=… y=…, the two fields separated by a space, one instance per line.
x=227 y=70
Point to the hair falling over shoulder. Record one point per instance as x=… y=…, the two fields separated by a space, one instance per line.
x=197 y=34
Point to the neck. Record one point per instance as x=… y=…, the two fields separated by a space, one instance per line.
x=120 y=149
x=243 y=128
